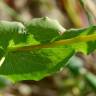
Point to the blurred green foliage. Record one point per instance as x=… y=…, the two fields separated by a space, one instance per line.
x=79 y=76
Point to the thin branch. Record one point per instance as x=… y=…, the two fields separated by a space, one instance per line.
x=91 y=6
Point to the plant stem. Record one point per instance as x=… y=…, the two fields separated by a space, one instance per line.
x=86 y=12
x=54 y=44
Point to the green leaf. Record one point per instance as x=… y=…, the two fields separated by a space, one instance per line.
x=11 y=31
x=44 y=29
x=85 y=47
x=38 y=63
